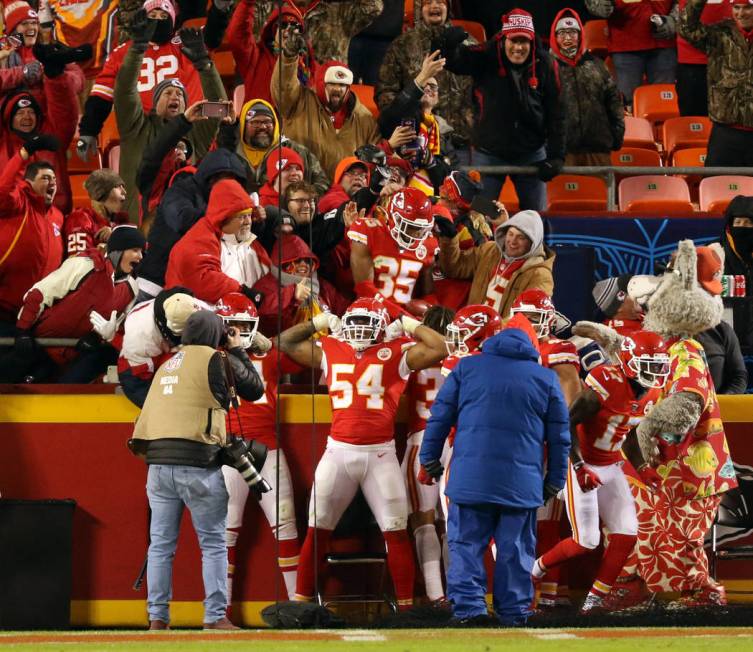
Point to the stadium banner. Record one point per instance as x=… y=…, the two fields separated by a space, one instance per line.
x=58 y=446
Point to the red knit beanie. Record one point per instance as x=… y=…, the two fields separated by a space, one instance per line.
x=17 y=12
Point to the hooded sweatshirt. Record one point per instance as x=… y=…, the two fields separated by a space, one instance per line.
x=255 y=60
x=279 y=160
x=738 y=260
x=593 y=110
x=203 y=328
x=195 y=260
x=336 y=195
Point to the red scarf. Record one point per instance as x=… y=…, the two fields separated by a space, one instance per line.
x=499 y=280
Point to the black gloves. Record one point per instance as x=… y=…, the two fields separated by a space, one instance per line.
x=255 y=296
x=54 y=56
x=142 y=31
x=24 y=346
x=46 y=142
x=550 y=168
x=89 y=342
x=434 y=469
x=448 y=40
x=193 y=46
x=443 y=227
x=550 y=491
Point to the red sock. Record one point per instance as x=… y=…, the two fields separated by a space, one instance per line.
x=402 y=567
x=547 y=537
x=564 y=550
x=305 y=583
x=619 y=549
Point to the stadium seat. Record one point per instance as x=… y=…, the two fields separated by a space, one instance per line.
x=239 y=97
x=655 y=194
x=109 y=135
x=77 y=166
x=595 y=33
x=113 y=158
x=509 y=197
x=636 y=157
x=78 y=193
x=692 y=157
x=638 y=133
x=685 y=131
x=196 y=23
x=715 y=193
x=408 y=15
x=225 y=64
x=655 y=102
x=365 y=93
x=572 y=192
x=476 y=30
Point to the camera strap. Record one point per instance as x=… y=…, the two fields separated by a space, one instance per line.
x=232 y=392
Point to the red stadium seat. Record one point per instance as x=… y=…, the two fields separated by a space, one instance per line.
x=655 y=194
x=596 y=33
x=476 y=30
x=572 y=192
x=509 y=197
x=685 y=131
x=655 y=102
x=638 y=133
x=715 y=193
x=365 y=94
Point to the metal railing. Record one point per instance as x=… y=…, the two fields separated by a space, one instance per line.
x=43 y=341
x=611 y=172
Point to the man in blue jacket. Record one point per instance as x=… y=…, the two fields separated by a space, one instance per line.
x=506 y=407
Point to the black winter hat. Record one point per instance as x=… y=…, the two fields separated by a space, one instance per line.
x=125 y=236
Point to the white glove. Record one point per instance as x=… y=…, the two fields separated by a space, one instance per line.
x=326 y=321
x=261 y=343
x=105 y=328
x=409 y=324
x=394 y=330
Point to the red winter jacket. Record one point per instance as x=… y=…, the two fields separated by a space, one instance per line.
x=195 y=261
x=59 y=120
x=59 y=305
x=82 y=225
x=31 y=245
x=254 y=60
x=630 y=25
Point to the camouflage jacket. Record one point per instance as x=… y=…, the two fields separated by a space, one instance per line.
x=329 y=25
x=401 y=64
x=730 y=67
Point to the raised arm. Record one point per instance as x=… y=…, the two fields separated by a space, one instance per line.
x=296 y=343
x=430 y=347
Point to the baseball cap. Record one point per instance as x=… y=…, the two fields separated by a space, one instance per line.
x=709 y=269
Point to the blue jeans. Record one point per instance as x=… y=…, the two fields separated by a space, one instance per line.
x=203 y=491
x=531 y=190
x=470 y=528
x=659 y=66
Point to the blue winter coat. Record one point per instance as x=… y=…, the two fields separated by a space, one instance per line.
x=506 y=407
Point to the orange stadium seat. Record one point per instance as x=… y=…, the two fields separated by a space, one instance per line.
x=509 y=197
x=638 y=133
x=76 y=165
x=113 y=158
x=595 y=33
x=109 y=135
x=692 y=157
x=196 y=23
x=685 y=131
x=636 y=157
x=654 y=194
x=573 y=192
x=78 y=193
x=239 y=97
x=655 y=102
x=225 y=64
x=365 y=93
x=408 y=15
x=715 y=193
x=476 y=30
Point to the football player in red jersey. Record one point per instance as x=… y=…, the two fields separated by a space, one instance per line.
x=422 y=499
x=257 y=421
x=617 y=397
x=467 y=331
x=562 y=357
x=395 y=259
x=366 y=375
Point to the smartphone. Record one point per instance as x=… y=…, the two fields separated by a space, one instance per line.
x=12 y=41
x=215 y=109
x=485 y=206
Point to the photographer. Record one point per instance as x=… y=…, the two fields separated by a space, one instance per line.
x=181 y=431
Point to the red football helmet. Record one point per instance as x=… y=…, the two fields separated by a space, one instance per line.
x=238 y=310
x=470 y=327
x=537 y=307
x=410 y=216
x=363 y=323
x=644 y=356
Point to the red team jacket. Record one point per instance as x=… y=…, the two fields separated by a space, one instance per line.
x=630 y=25
x=364 y=388
x=82 y=225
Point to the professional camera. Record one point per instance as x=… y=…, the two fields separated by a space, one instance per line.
x=248 y=458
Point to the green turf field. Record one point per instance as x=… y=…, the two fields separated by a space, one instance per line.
x=407 y=640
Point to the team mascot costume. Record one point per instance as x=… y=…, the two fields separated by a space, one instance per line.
x=688 y=464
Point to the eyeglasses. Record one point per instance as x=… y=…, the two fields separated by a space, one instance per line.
x=301 y=201
x=431 y=87
x=260 y=124
x=358 y=172
x=568 y=33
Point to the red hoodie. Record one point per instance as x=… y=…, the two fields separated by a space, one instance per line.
x=195 y=261
x=555 y=48
x=630 y=25
x=254 y=60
